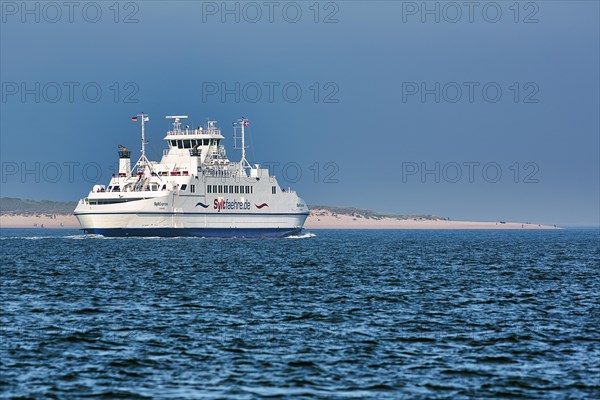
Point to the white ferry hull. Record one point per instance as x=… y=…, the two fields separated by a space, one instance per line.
x=192 y=224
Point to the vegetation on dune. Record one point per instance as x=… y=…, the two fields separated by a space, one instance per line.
x=9 y=205
x=370 y=214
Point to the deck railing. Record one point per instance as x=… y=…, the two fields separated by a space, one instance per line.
x=183 y=132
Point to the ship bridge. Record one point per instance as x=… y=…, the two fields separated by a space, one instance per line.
x=186 y=138
x=195 y=149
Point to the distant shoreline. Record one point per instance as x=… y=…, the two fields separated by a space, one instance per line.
x=324 y=219
x=27 y=213
x=318 y=219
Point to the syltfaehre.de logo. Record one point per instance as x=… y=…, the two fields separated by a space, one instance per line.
x=226 y=204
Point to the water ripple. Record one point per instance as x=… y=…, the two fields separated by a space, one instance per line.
x=341 y=314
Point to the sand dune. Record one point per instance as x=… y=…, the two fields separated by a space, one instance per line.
x=323 y=219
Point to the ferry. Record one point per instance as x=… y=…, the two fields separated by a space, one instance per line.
x=195 y=190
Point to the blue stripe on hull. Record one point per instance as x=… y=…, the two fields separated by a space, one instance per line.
x=195 y=232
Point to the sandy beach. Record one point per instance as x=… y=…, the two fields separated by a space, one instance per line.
x=319 y=219
x=54 y=221
x=323 y=219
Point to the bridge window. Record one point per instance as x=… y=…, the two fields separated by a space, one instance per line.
x=208 y=189
x=183 y=187
x=214 y=189
x=237 y=189
x=225 y=188
x=231 y=189
x=173 y=143
x=274 y=189
x=180 y=144
x=220 y=188
x=193 y=188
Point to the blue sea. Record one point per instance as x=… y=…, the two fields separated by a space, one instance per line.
x=329 y=314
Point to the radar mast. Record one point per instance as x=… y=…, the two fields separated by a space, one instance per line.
x=241 y=124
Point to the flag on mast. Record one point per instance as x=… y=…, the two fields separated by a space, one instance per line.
x=134 y=119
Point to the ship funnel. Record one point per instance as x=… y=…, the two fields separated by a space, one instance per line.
x=124 y=162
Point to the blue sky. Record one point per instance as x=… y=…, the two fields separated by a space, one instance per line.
x=489 y=113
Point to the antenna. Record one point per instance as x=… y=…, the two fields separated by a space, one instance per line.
x=143 y=161
x=176 y=123
x=242 y=123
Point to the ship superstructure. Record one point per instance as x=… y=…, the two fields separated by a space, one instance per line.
x=195 y=190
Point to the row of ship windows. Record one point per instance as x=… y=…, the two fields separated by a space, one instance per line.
x=110 y=201
x=153 y=187
x=192 y=143
x=209 y=189
x=229 y=189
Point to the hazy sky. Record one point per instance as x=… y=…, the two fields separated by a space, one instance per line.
x=468 y=110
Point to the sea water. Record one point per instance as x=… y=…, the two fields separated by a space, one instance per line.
x=330 y=314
